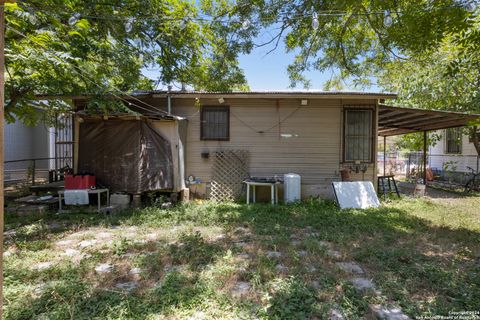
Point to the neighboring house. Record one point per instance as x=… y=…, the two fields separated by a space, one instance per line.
x=22 y=142
x=453 y=152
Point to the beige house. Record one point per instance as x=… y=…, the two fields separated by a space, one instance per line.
x=313 y=134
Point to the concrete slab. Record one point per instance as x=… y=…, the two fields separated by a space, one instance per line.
x=350 y=267
x=362 y=284
x=380 y=312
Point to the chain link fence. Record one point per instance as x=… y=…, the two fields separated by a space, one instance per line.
x=445 y=169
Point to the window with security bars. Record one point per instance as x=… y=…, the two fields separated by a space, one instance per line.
x=215 y=123
x=453 y=140
x=358 y=135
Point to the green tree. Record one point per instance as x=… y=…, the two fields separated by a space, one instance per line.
x=447 y=78
x=356 y=37
x=425 y=50
x=74 y=47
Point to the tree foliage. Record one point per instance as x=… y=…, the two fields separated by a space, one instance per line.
x=352 y=35
x=425 y=50
x=73 y=47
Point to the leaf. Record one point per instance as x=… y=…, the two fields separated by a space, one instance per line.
x=75 y=33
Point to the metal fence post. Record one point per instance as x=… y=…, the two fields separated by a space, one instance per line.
x=478 y=160
x=33 y=172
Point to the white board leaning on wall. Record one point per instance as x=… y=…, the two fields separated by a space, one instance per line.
x=355 y=195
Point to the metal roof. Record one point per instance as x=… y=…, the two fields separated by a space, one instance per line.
x=394 y=121
x=274 y=93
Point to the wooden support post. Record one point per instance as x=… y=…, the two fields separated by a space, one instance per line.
x=2 y=97
x=2 y=116
x=425 y=157
x=384 y=155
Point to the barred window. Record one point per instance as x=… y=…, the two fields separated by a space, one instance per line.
x=358 y=135
x=215 y=123
x=453 y=140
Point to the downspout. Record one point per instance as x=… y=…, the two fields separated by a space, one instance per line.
x=169 y=100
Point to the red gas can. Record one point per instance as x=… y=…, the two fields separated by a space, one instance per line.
x=79 y=182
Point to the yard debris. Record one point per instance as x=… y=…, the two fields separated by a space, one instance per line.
x=241 y=289
x=86 y=243
x=103 y=235
x=243 y=256
x=335 y=314
x=71 y=252
x=43 y=265
x=55 y=226
x=362 y=284
x=10 y=233
x=32 y=210
x=295 y=242
x=313 y=234
x=65 y=243
x=104 y=268
x=282 y=268
x=178 y=268
x=152 y=236
x=198 y=315
x=311 y=268
x=380 y=312
x=135 y=271
x=218 y=238
x=324 y=244
x=334 y=254
x=127 y=286
x=166 y=205
x=315 y=284
x=240 y=244
x=273 y=254
x=7 y=253
x=350 y=267
x=39 y=290
x=242 y=230
x=302 y=253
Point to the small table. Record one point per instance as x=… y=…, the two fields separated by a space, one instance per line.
x=46 y=187
x=98 y=192
x=273 y=189
x=390 y=179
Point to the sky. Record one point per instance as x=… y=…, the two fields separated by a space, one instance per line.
x=268 y=71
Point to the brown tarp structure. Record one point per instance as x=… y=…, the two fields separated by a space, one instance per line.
x=125 y=155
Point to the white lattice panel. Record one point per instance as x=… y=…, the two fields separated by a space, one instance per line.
x=230 y=168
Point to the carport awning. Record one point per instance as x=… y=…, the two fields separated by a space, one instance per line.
x=394 y=121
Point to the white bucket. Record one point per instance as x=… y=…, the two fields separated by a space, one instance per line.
x=419 y=190
x=292 y=187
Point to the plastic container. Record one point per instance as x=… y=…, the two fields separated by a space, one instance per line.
x=120 y=200
x=292 y=187
x=419 y=190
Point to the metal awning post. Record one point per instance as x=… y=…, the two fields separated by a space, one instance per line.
x=384 y=155
x=425 y=158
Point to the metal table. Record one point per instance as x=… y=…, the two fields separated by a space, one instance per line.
x=273 y=188
x=98 y=192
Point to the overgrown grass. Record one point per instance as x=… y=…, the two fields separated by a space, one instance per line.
x=423 y=255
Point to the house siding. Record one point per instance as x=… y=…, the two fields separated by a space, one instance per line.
x=314 y=151
x=25 y=142
x=467 y=157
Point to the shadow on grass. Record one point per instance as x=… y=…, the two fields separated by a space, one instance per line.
x=425 y=268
